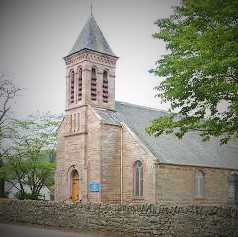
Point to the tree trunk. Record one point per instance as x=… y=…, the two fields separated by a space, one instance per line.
x=2 y=182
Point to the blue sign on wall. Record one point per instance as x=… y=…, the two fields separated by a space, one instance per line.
x=94 y=186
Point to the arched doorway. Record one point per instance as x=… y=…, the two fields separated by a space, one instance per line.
x=75 y=186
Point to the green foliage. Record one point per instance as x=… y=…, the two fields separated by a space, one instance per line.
x=29 y=162
x=200 y=70
x=26 y=196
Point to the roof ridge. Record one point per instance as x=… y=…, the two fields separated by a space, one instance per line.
x=143 y=107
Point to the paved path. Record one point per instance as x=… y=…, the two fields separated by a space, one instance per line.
x=7 y=230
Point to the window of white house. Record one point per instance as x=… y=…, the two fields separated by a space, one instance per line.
x=105 y=87
x=71 y=86
x=93 y=84
x=199 y=184
x=138 y=179
x=79 y=83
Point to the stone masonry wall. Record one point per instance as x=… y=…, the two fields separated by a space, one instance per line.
x=133 y=150
x=126 y=220
x=177 y=184
x=70 y=155
x=93 y=153
x=111 y=149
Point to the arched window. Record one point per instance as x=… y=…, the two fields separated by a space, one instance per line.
x=105 y=87
x=71 y=123
x=78 y=122
x=199 y=184
x=71 y=86
x=93 y=84
x=79 y=83
x=138 y=179
x=233 y=189
x=74 y=122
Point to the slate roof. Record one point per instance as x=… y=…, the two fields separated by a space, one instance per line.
x=91 y=38
x=168 y=149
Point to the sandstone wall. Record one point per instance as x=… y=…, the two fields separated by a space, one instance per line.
x=93 y=149
x=177 y=184
x=133 y=150
x=111 y=150
x=80 y=150
x=127 y=220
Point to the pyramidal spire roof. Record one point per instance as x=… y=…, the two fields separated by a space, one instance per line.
x=91 y=38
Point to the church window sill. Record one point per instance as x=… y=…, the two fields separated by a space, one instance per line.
x=138 y=198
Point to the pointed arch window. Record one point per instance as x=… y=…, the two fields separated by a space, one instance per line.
x=233 y=189
x=79 y=83
x=105 y=87
x=199 y=184
x=71 y=86
x=75 y=122
x=93 y=84
x=138 y=179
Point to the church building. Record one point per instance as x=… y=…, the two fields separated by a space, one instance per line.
x=104 y=154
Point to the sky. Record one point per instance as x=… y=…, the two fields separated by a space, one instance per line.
x=35 y=35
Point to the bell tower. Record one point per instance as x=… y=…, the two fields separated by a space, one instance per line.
x=90 y=70
x=90 y=82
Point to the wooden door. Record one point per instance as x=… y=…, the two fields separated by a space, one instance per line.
x=75 y=186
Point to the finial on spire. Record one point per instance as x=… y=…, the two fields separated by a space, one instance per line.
x=91 y=6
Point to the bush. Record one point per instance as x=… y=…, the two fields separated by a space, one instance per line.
x=26 y=196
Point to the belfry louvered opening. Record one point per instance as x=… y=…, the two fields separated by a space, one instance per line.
x=79 y=83
x=93 y=85
x=71 y=75
x=105 y=87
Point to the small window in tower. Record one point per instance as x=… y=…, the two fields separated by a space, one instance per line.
x=105 y=87
x=71 y=123
x=93 y=85
x=71 y=86
x=79 y=84
x=75 y=123
x=78 y=122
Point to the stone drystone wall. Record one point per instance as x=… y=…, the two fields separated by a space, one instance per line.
x=125 y=220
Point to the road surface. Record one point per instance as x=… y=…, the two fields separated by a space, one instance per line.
x=7 y=230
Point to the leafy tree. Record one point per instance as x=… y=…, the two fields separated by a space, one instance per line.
x=200 y=70
x=8 y=92
x=30 y=160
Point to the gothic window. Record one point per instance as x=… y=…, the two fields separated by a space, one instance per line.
x=71 y=86
x=79 y=83
x=199 y=184
x=93 y=84
x=71 y=123
x=105 y=87
x=78 y=122
x=233 y=189
x=75 y=122
x=138 y=179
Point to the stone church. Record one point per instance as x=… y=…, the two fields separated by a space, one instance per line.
x=105 y=155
